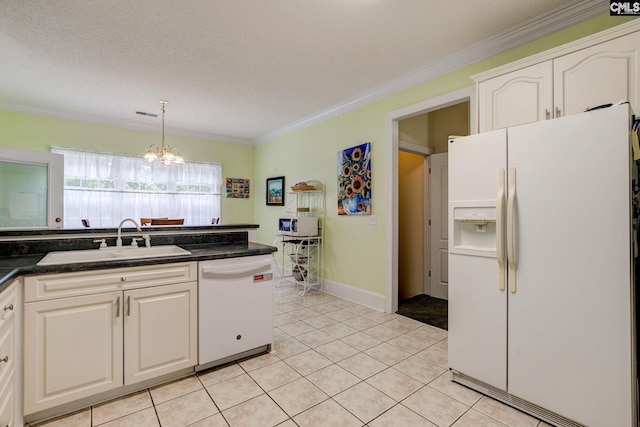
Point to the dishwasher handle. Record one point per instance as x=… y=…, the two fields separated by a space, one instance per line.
x=234 y=270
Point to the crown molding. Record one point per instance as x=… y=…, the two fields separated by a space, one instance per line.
x=21 y=107
x=570 y=14
x=583 y=43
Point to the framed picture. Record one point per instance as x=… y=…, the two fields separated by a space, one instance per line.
x=275 y=191
x=354 y=180
x=238 y=188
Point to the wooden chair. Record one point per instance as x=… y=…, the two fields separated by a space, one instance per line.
x=147 y=221
x=167 y=221
x=215 y=221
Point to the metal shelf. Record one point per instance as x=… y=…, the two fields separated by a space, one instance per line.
x=301 y=256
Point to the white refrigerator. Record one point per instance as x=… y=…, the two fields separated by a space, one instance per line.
x=541 y=294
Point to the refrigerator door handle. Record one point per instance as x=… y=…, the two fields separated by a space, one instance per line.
x=511 y=257
x=500 y=230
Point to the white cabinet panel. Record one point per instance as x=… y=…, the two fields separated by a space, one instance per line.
x=90 y=332
x=604 y=73
x=160 y=331
x=72 y=349
x=7 y=404
x=516 y=98
x=567 y=84
x=9 y=306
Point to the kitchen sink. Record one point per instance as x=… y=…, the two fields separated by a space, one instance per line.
x=111 y=254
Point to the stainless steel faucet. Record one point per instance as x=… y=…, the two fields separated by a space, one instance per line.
x=119 y=239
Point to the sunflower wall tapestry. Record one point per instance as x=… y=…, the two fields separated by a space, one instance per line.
x=354 y=180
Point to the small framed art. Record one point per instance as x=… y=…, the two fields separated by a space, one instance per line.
x=275 y=191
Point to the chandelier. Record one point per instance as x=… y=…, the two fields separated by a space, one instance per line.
x=165 y=153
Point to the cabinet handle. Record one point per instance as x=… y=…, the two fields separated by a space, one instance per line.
x=118 y=307
x=123 y=279
x=547 y=114
x=557 y=112
x=8 y=307
x=129 y=305
x=5 y=359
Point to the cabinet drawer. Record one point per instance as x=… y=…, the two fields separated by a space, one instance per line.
x=8 y=303
x=49 y=286
x=7 y=353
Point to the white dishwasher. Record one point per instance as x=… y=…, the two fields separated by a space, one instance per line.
x=235 y=309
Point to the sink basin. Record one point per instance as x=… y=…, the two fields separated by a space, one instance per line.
x=111 y=254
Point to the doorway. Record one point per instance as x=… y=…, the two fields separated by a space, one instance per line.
x=419 y=138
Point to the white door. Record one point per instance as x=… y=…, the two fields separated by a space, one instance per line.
x=530 y=89
x=477 y=305
x=569 y=317
x=438 y=231
x=33 y=182
x=160 y=329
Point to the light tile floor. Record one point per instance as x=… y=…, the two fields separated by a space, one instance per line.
x=335 y=363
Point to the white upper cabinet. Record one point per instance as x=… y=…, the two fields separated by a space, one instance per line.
x=515 y=98
x=604 y=73
x=593 y=71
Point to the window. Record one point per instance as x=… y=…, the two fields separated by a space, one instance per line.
x=106 y=188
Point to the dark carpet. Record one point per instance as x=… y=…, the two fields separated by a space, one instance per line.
x=425 y=309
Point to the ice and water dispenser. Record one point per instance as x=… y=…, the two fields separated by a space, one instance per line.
x=474 y=229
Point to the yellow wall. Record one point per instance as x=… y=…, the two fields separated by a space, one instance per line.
x=411 y=255
x=38 y=133
x=355 y=250
x=415 y=130
x=453 y=120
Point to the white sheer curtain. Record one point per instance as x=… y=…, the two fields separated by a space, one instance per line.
x=105 y=188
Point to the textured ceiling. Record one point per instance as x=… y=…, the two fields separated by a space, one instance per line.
x=231 y=69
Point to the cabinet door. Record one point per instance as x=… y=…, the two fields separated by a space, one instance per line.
x=160 y=329
x=515 y=98
x=72 y=349
x=7 y=400
x=604 y=73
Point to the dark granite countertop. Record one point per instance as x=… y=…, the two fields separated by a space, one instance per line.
x=21 y=257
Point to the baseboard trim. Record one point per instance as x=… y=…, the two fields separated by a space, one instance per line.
x=353 y=294
x=342 y=290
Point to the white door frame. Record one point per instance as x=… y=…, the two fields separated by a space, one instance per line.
x=392 y=144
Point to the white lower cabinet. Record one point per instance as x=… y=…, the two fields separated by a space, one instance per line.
x=160 y=336
x=9 y=305
x=72 y=349
x=79 y=346
x=7 y=404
